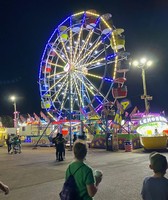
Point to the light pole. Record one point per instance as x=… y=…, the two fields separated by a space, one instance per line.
x=13 y=99
x=143 y=64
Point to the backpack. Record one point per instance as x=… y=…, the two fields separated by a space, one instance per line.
x=69 y=190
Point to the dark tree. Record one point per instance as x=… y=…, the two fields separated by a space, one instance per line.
x=7 y=121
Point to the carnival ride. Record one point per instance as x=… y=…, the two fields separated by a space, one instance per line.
x=83 y=72
x=152 y=129
x=83 y=66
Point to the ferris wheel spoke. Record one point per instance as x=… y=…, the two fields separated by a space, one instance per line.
x=54 y=84
x=70 y=40
x=78 y=92
x=65 y=51
x=77 y=43
x=91 y=50
x=93 y=86
x=79 y=37
x=87 y=86
x=62 y=85
x=55 y=65
x=91 y=63
x=89 y=74
x=87 y=47
x=57 y=75
x=93 y=56
x=63 y=99
x=84 y=44
x=56 y=52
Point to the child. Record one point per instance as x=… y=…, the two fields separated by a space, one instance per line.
x=4 y=188
x=156 y=186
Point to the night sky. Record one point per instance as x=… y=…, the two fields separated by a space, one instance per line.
x=25 y=27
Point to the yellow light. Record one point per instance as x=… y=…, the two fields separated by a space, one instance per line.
x=86 y=43
x=85 y=85
x=62 y=103
x=59 y=56
x=52 y=64
x=149 y=63
x=91 y=13
x=54 y=84
x=91 y=63
x=62 y=85
x=51 y=116
x=79 y=13
x=13 y=98
x=89 y=52
x=57 y=74
x=89 y=87
x=106 y=23
x=89 y=74
x=71 y=46
x=143 y=60
x=78 y=40
x=78 y=92
x=63 y=44
x=135 y=63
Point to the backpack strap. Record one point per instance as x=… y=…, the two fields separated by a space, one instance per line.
x=76 y=170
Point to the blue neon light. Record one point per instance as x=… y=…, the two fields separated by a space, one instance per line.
x=109 y=57
x=108 y=79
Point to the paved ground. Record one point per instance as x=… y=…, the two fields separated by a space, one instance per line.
x=35 y=174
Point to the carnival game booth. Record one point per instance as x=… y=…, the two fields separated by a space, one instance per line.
x=152 y=130
x=131 y=140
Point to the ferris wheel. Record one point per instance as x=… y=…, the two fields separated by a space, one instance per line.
x=80 y=63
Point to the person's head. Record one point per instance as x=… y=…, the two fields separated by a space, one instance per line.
x=80 y=150
x=158 y=163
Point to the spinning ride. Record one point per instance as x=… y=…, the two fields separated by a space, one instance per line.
x=80 y=64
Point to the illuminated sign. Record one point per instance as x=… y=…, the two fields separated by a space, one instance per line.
x=151 y=119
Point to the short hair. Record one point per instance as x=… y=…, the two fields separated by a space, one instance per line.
x=158 y=162
x=80 y=149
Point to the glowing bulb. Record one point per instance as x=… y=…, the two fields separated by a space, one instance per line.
x=143 y=60
x=135 y=63
x=149 y=63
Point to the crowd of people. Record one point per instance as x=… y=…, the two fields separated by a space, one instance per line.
x=153 y=188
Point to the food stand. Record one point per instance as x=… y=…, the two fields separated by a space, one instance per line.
x=152 y=132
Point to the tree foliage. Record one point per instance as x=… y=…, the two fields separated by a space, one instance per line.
x=7 y=121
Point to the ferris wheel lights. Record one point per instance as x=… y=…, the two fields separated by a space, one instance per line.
x=108 y=79
x=109 y=57
x=79 y=58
